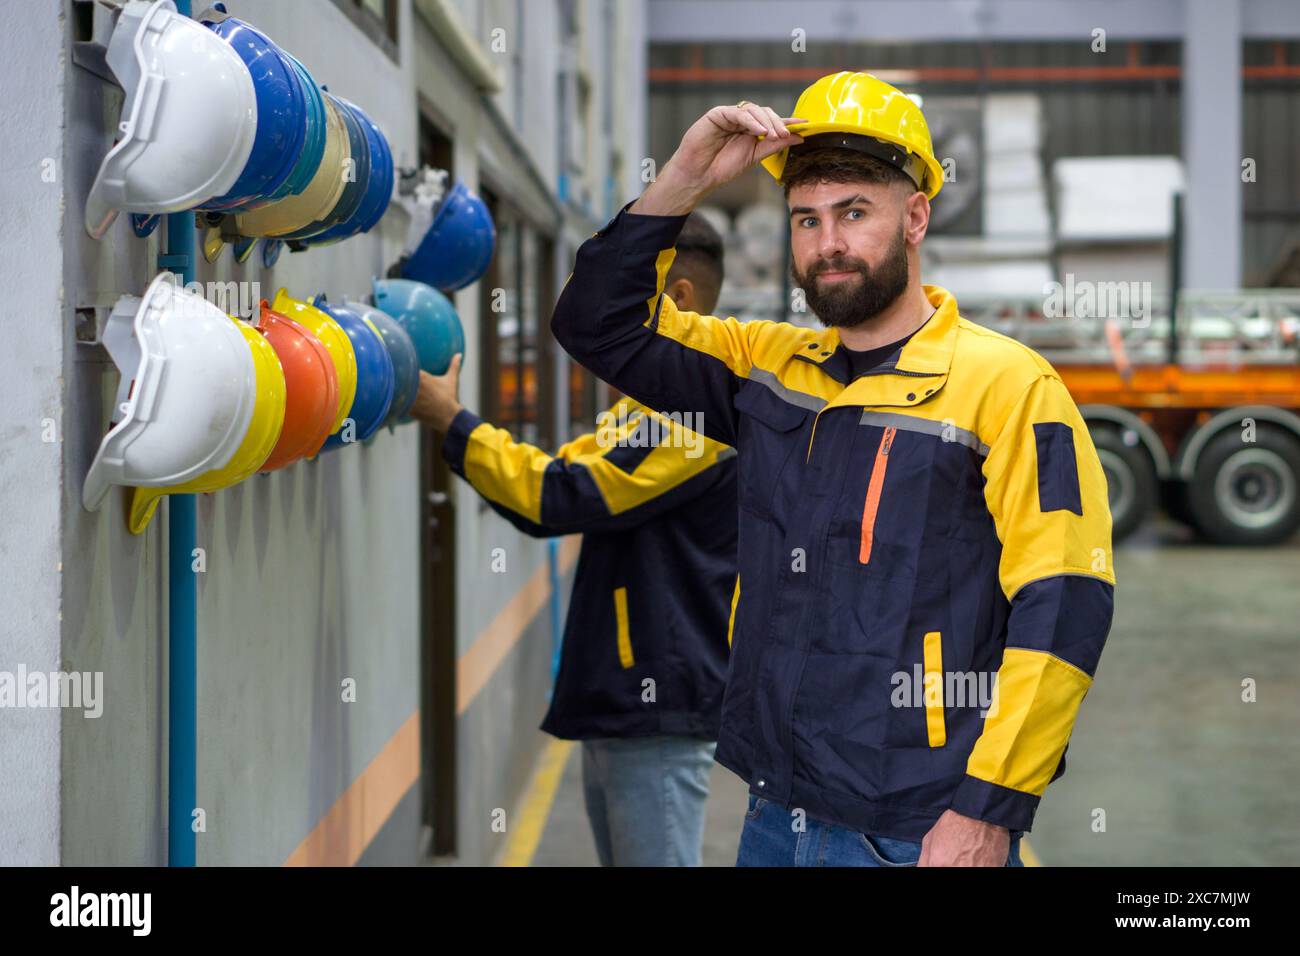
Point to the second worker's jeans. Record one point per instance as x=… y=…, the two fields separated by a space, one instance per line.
x=645 y=798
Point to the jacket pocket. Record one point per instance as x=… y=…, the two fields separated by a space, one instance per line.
x=932 y=689
x=624 y=635
x=770 y=433
x=875 y=489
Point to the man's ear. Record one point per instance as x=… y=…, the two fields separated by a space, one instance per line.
x=916 y=217
x=682 y=292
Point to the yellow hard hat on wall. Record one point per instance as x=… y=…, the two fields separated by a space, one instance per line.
x=859 y=111
x=336 y=342
x=259 y=441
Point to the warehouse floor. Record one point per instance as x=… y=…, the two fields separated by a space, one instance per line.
x=1167 y=766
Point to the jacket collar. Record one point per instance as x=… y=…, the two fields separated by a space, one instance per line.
x=921 y=369
x=930 y=350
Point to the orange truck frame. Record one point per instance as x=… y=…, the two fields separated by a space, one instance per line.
x=1219 y=447
x=1200 y=415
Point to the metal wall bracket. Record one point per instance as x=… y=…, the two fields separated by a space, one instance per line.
x=409 y=178
x=92 y=312
x=92 y=55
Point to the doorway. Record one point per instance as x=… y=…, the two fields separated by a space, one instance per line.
x=437 y=595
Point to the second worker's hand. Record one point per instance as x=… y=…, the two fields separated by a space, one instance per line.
x=718 y=147
x=436 y=403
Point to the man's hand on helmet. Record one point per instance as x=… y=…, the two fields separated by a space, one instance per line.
x=718 y=147
x=437 y=401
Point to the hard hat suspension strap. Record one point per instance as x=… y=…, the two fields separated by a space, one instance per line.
x=891 y=153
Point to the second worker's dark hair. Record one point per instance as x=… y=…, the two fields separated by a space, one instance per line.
x=700 y=251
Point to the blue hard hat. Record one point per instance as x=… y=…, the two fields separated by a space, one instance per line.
x=382 y=174
x=281 y=113
x=353 y=192
x=379 y=190
x=428 y=317
x=313 y=145
x=458 y=246
x=401 y=349
x=374 y=375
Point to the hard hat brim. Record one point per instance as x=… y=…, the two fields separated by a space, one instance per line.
x=775 y=164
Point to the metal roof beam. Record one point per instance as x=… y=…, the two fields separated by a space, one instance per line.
x=937 y=21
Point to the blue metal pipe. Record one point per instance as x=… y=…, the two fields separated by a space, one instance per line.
x=182 y=742
x=557 y=625
x=182 y=606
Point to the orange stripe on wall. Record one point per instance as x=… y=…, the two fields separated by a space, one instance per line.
x=476 y=666
x=342 y=835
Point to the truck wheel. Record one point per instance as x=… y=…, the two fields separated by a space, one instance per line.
x=1247 y=492
x=1130 y=479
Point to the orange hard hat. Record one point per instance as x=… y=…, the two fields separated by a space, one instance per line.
x=311 y=384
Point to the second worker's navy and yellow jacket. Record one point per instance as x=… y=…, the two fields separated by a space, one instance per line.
x=645 y=641
x=904 y=536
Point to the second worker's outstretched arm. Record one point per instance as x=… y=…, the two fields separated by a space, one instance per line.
x=610 y=480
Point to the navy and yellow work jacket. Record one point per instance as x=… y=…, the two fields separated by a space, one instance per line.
x=904 y=537
x=645 y=642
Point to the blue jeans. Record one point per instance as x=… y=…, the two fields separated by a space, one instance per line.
x=645 y=798
x=770 y=838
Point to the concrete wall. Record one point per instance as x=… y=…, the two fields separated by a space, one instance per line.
x=31 y=396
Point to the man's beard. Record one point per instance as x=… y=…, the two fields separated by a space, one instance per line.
x=848 y=303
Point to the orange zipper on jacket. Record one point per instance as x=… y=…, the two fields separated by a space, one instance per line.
x=874 y=489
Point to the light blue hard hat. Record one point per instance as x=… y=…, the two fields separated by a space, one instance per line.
x=428 y=317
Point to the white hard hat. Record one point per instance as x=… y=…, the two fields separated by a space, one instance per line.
x=187 y=391
x=188 y=122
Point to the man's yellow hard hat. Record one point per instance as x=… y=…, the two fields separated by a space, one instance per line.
x=858 y=111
